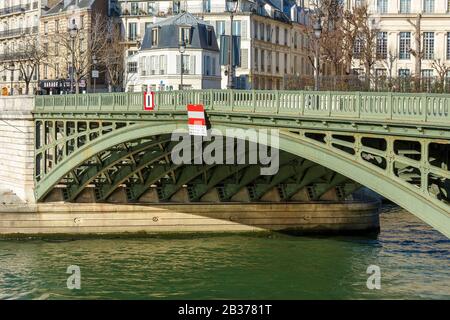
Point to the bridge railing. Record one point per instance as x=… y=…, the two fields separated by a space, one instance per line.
x=420 y=107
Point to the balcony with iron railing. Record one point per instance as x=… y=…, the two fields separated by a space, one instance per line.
x=16 y=9
x=17 y=32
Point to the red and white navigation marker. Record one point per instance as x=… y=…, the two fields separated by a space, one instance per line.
x=149 y=101
x=196 y=120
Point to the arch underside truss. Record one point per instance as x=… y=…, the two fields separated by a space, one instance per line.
x=135 y=157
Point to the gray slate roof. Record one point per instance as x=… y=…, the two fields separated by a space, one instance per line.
x=169 y=33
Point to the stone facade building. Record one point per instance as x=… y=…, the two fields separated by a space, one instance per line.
x=55 y=71
x=18 y=19
x=396 y=35
x=272 y=42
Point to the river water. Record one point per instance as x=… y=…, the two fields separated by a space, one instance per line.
x=414 y=262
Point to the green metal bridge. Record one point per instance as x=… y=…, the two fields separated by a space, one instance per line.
x=330 y=144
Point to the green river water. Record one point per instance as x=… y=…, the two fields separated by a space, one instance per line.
x=413 y=259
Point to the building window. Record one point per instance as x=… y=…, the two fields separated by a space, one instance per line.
x=45 y=28
x=382 y=6
x=45 y=71
x=56 y=26
x=448 y=45
x=405 y=45
x=236 y=28
x=404 y=73
x=176 y=7
x=209 y=36
x=285 y=63
x=448 y=6
x=262 y=60
x=220 y=28
x=286 y=37
x=256 y=60
x=134 y=8
x=132 y=31
x=277 y=62
x=428 y=45
x=277 y=35
x=358 y=46
x=151 y=7
x=261 y=31
x=185 y=35
x=382 y=45
x=155 y=35
x=405 y=6
x=427 y=73
x=206 y=5
x=255 y=29
x=207 y=66
x=268 y=33
x=428 y=6
x=132 y=67
x=188 y=64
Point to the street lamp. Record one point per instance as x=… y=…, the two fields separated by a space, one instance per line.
x=94 y=71
x=11 y=68
x=73 y=32
x=231 y=8
x=317 y=27
x=182 y=50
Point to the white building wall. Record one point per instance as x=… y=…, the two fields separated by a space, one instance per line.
x=393 y=22
x=169 y=78
x=216 y=12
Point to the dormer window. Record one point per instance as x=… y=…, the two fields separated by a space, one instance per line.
x=185 y=35
x=155 y=36
x=209 y=36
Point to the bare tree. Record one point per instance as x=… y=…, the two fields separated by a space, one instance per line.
x=78 y=51
x=389 y=64
x=112 y=57
x=417 y=52
x=442 y=70
x=27 y=58
x=368 y=33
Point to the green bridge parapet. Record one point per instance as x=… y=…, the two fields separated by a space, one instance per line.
x=417 y=109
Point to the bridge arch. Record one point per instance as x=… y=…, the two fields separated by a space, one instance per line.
x=412 y=198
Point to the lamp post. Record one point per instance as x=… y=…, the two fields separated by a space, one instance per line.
x=231 y=8
x=11 y=68
x=317 y=27
x=94 y=71
x=182 y=50
x=73 y=32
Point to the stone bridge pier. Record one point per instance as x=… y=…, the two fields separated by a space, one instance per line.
x=16 y=149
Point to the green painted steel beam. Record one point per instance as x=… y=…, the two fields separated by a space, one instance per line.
x=91 y=172
x=186 y=174
x=285 y=172
x=151 y=156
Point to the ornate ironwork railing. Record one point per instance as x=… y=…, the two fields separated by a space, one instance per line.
x=380 y=106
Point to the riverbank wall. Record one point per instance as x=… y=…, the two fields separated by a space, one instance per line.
x=103 y=219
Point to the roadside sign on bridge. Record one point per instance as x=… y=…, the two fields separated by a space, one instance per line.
x=196 y=120
x=149 y=101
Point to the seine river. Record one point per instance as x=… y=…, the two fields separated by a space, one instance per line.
x=414 y=262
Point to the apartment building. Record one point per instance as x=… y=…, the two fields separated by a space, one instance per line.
x=160 y=65
x=272 y=42
x=55 y=72
x=18 y=19
x=395 y=21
